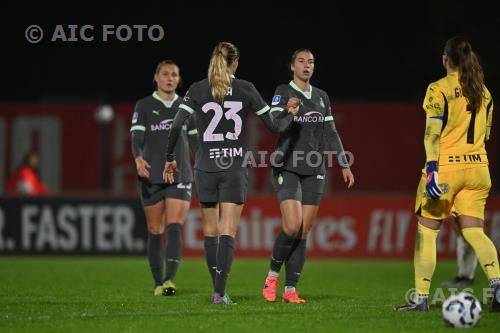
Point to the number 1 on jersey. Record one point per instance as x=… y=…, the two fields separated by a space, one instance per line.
x=470 y=130
x=230 y=114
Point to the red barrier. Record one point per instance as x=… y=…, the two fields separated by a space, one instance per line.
x=380 y=135
x=347 y=227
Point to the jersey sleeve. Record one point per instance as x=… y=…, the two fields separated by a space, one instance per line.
x=192 y=133
x=138 y=119
x=280 y=99
x=137 y=130
x=328 y=113
x=186 y=110
x=332 y=136
x=434 y=101
x=189 y=102
x=489 y=117
x=257 y=103
x=277 y=123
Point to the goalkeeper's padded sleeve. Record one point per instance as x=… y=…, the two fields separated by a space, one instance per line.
x=432 y=135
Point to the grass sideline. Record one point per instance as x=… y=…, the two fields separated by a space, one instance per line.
x=91 y=294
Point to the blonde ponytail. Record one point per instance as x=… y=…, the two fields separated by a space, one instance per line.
x=219 y=75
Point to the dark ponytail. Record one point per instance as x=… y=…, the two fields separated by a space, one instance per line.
x=459 y=51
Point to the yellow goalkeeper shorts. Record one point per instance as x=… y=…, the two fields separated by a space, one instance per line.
x=464 y=190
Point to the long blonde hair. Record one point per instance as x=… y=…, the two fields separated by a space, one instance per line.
x=219 y=75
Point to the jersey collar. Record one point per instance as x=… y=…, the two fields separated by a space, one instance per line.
x=307 y=94
x=168 y=104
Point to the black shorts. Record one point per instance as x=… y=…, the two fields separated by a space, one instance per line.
x=153 y=193
x=222 y=186
x=292 y=186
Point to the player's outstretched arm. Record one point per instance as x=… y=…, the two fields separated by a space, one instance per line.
x=180 y=118
x=432 y=136
x=182 y=115
x=333 y=138
x=279 y=121
x=192 y=134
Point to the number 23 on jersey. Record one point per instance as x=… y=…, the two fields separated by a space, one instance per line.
x=231 y=113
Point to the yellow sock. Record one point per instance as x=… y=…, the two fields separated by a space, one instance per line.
x=485 y=251
x=424 y=258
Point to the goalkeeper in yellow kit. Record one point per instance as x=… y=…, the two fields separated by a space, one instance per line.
x=459 y=111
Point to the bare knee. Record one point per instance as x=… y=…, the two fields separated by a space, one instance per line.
x=210 y=228
x=292 y=227
x=466 y=221
x=429 y=223
x=156 y=229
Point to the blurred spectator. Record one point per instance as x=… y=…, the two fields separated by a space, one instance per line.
x=26 y=180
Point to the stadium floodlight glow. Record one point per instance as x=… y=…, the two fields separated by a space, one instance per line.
x=104 y=113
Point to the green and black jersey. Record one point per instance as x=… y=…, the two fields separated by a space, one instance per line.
x=303 y=143
x=151 y=123
x=221 y=125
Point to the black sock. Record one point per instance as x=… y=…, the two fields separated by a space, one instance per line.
x=211 y=255
x=296 y=242
x=155 y=257
x=281 y=249
x=225 y=253
x=174 y=249
x=295 y=263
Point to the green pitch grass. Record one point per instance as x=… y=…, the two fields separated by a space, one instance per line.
x=115 y=295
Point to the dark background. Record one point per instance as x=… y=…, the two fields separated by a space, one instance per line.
x=377 y=51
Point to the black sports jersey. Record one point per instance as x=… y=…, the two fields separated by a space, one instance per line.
x=151 y=123
x=221 y=127
x=303 y=143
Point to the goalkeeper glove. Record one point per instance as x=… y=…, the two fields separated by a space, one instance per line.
x=432 y=185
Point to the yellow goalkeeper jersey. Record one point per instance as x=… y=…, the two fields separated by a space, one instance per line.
x=464 y=132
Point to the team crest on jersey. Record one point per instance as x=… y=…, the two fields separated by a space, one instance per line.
x=321 y=102
x=276 y=100
x=135 y=116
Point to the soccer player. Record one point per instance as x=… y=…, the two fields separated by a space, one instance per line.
x=299 y=176
x=165 y=205
x=466 y=258
x=221 y=103
x=459 y=114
